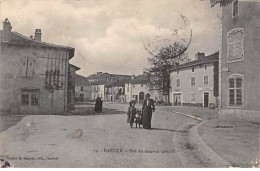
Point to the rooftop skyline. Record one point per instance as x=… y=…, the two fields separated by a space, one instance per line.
x=107 y=35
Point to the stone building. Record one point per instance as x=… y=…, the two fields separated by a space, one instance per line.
x=33 y=74
x=99 y=81
x=195 y=83
x=82 y=89
x=239 y=60
x=71 y=86
x=137 y=87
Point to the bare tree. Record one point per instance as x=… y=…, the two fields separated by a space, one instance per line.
x=161 y=64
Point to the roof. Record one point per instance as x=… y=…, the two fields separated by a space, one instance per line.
x=81 y=80
x=76 y=68
x=140 y=79
x=204 y=60
x=221 y=2
x=21 y=40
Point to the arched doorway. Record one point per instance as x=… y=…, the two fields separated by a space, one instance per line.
x=141 y=96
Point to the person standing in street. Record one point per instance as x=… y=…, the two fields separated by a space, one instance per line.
x=131 y=113
x=100 y=105
x=148 y=109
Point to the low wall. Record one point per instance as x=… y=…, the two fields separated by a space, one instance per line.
x=245 y=115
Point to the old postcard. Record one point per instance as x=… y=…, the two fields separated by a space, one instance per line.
x=129 y=83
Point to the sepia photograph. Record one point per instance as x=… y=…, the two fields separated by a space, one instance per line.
x=129 y=83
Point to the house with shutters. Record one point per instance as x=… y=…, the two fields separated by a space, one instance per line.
x=33 y=74
x=195 y=83
x=240 y=57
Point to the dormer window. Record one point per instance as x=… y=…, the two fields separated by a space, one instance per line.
x=235 y=8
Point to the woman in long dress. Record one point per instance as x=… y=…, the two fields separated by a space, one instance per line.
x=148 y=109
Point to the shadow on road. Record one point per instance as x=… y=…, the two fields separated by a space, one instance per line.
x=7 y=121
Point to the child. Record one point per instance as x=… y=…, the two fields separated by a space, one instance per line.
x=131 y=113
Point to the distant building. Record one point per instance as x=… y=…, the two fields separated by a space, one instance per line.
x=71 y=86
x=98 y=82
x=195 y=83
x=240 y=61
x=33 y=74
x=137 y=87
x=82 y=89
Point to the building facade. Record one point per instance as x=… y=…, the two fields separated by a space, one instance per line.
x=240 y=58
x=239 y=61
x=82 y=89
x=136 y=88
x=195 y=83
x=104 y=85
x=71 y=86
x=33 y=75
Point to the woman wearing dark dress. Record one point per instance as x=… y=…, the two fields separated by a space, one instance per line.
x=148 y=109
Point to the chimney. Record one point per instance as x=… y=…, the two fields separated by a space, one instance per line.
x=133 y=77
x=199 y=55
x=38 y=35
x=7 y=28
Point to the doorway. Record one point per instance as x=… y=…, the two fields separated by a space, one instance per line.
x=206 y=99
x=177 y=99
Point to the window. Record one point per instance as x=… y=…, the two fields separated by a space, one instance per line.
x=206 y=80
x=178 y=83
x=81 y=88
x=29 y=97
x=177 y=71
x=235 y=91
x=141 y=85
x=192 y=81
x=25 y=99
x=133 y=86
x=206 y=67
x=127 y=89
x=192 y=97
x=34 y=99
x=235 y=45
x=235 y=8
x=192 y=70
x=27 y=67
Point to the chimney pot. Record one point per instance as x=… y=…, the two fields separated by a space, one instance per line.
x=199 y=55
x=38 y=35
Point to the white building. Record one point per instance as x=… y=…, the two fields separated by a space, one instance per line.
x=137 y=88
x=195 y=83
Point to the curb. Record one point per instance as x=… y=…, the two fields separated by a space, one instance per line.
x=207 y=155
x=202 y=150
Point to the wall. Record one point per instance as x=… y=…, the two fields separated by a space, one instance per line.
x=86 y=91
x=186 y=89
x=134 y=90
x=249 y=14
x=12 y=80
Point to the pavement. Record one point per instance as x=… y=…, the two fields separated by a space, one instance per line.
x=181 y=137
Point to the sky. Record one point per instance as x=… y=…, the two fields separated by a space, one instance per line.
x=110 y=35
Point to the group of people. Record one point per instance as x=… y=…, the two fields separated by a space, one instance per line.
x=147 y=111
x=98 y=105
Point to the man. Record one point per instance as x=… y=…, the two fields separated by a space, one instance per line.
x=148 y=109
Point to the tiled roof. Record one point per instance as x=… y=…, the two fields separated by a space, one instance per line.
x=81 y=80
x=222 y=2
x=77 y=68
x=140 y=79
x=207 y=59
x=21 y=40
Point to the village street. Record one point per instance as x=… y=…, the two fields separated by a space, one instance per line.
x=106 y=140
